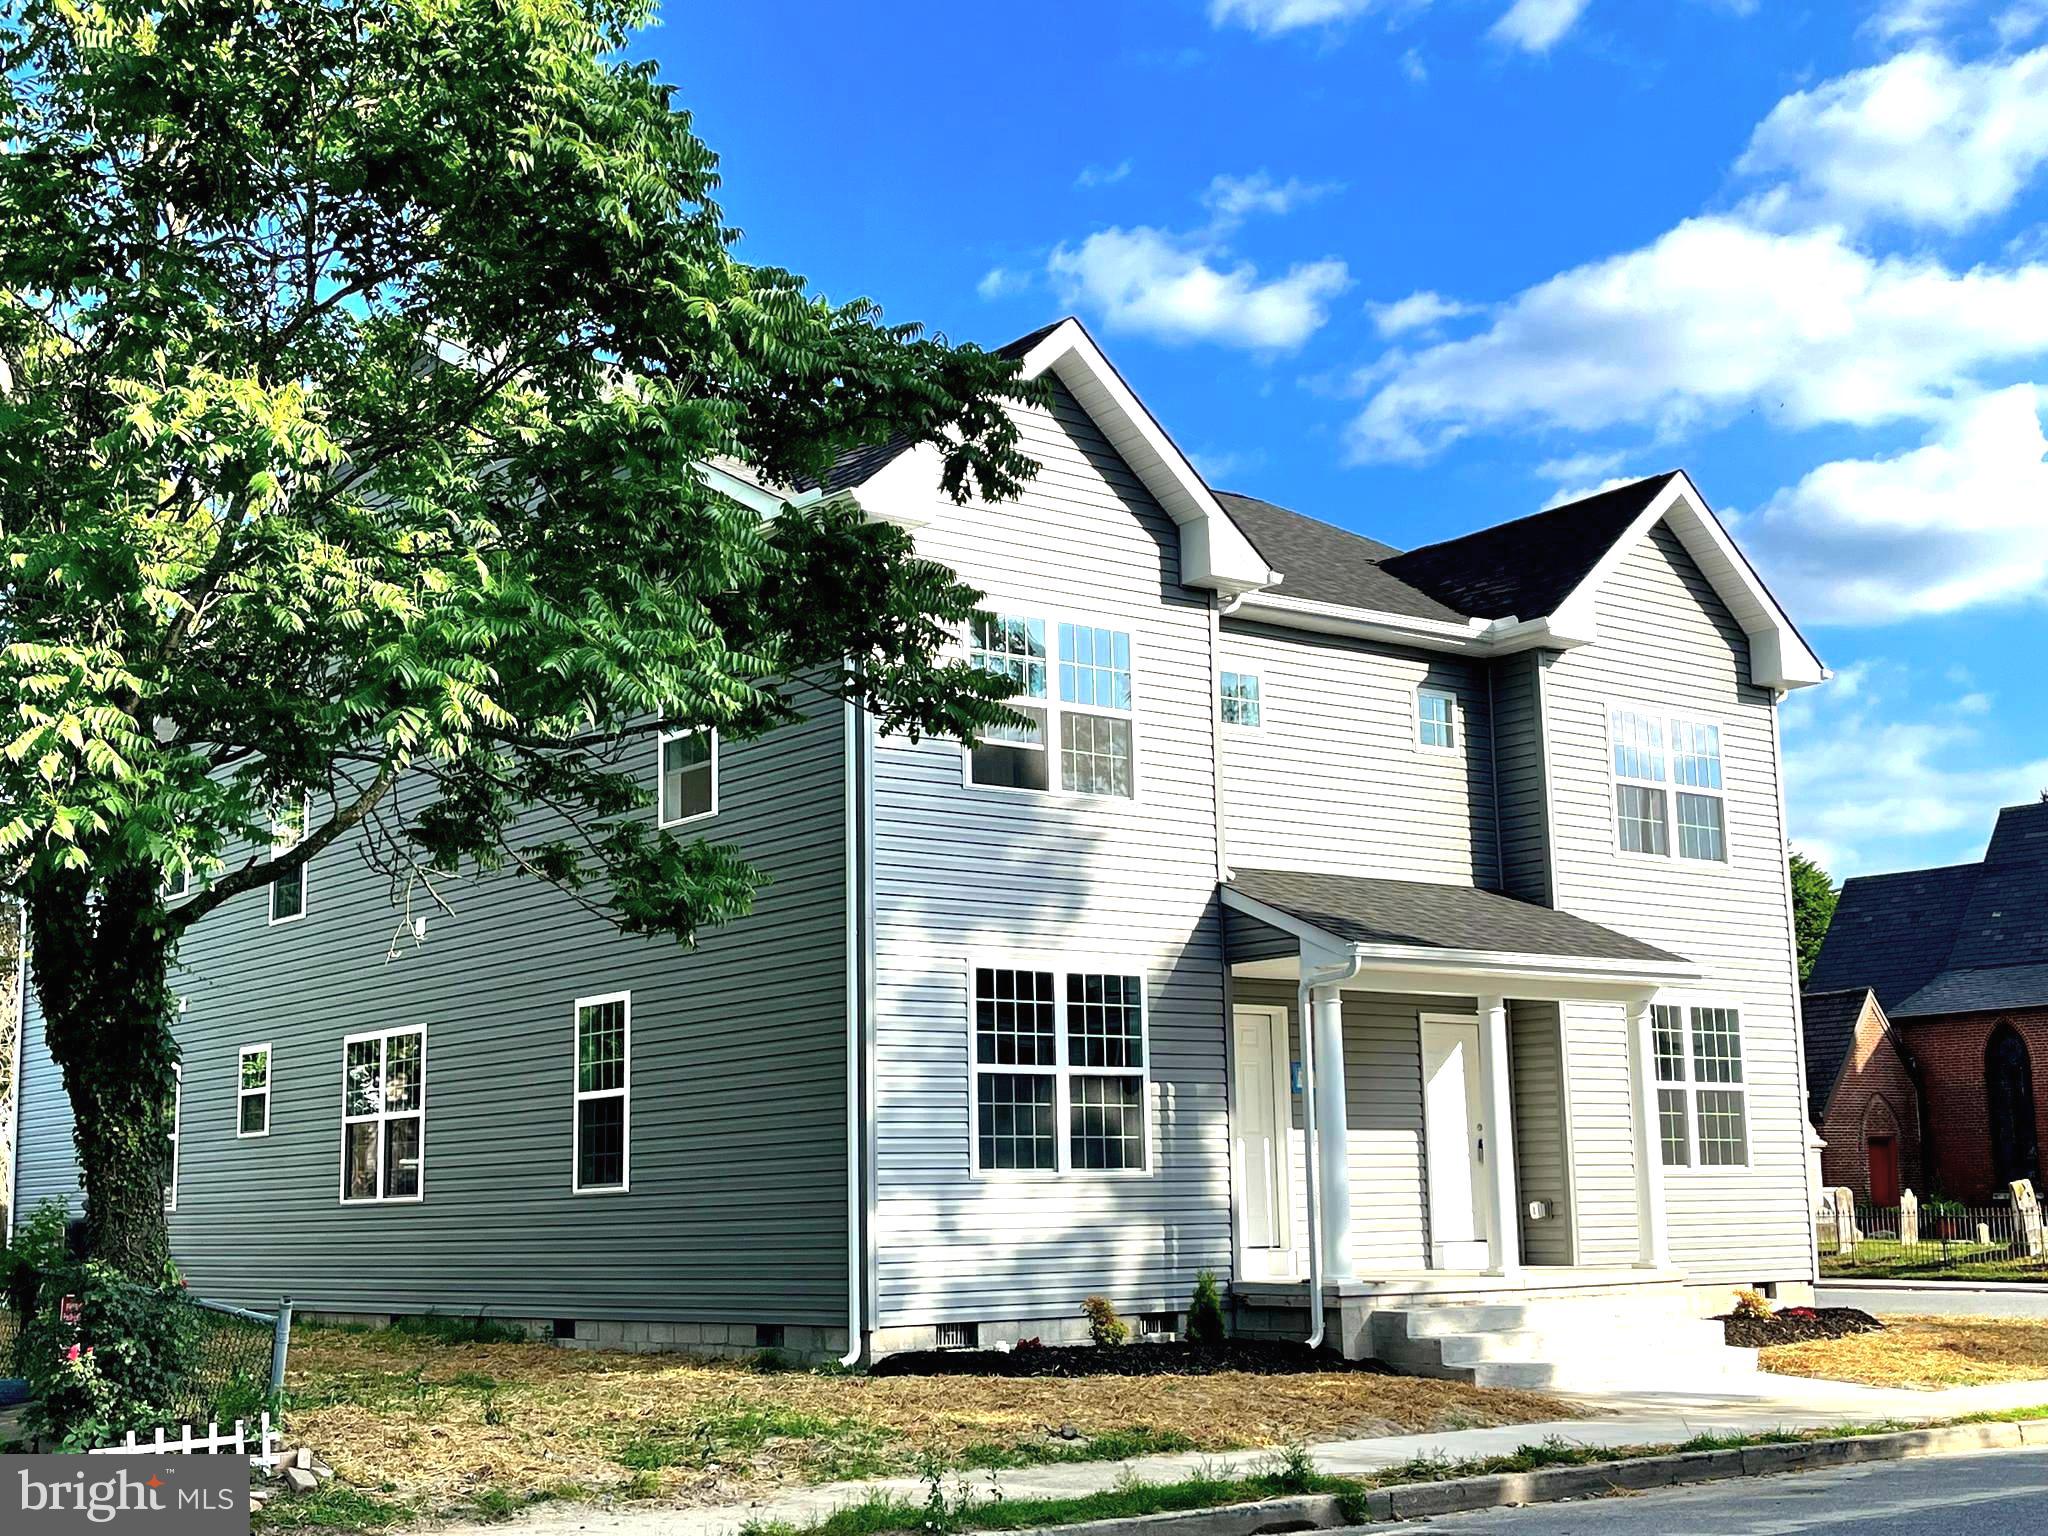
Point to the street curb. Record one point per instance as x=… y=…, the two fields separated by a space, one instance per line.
x=1413 y=1501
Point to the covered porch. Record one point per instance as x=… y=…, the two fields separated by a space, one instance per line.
x=1439 y=1096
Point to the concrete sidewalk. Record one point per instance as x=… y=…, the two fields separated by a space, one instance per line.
x=1935 y=1298
x=1779 y=1402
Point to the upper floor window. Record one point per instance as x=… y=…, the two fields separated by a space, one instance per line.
x=252 y=1092
x=604 y=1075
x=288 y=891
x=177 y=881
x=1702 y=1103
x=1436 y=715
x=1668 y=791
x=689 y=776
x=1059 y=1071
x=1086 y=723
x=171 y=1137
x=1240 y=697
x=383 y=1115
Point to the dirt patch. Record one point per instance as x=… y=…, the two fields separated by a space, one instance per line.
x=1923 y=1352
x=1798 y=1325
x=1255 y=1357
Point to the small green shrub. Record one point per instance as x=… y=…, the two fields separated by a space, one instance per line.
x=1205 y=1312
x=123 y=1364
x=458 y=1330
x=1752 y=1306
x=1104 y=1326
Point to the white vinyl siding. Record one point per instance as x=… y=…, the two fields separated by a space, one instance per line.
x=384 y=1116
x=252 y=1091
x=601 y=1131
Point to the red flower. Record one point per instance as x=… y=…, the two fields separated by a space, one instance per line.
x=72 y=1353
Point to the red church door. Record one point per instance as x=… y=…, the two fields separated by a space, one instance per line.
x=1884 y=1171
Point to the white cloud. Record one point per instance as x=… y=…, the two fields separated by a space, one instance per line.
x=1276 y=16
x=2020 y=21
x=1959 y=522
x=1713 y=316
x=1913 y=18
x=1101 y=175
x=1179 y=288
x=1580 y=466
x=1918 y=138
x=1412 y=66
x=1535 y=25
x=1001 y=282
x=1233 y=198
x=1420 y=311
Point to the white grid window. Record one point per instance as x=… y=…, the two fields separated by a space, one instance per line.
x=1436 y=716
x=602 y=1131
x=1055 y=1050
x=383 y=1116
x=1668 y=791
x=1086 y=726
x=288 y=892
x=1240 y=698
x=171 y=1137
x=1702 y=1103
x=178 y=881
x=688 y=765
x=252 y=1091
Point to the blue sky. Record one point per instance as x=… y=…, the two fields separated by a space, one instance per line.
x=1414 y=266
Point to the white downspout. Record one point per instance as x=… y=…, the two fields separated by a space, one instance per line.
x=14 y=1127
x=856 y=1268
x=1310 y=980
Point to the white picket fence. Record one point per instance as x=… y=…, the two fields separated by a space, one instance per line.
x=213 y=1442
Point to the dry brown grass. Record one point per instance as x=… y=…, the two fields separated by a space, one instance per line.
x=1923 y=1352
x=443 y=1423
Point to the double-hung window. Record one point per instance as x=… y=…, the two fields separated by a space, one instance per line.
x=1240 y=698
x=288 y=892
x=1668 y=789
x=601 y=1133
x=1059 y=1071
x=1702 y=1103
x=383 y=1115
x=689 y=776
x=252 y=1091
x=1075 y=701
x=171 y=1137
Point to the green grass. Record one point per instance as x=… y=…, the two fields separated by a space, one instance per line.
x=1111 y=1445
x=458 y=1330
x=331 y=1507
x=837 y=1448
x=1882 y=1258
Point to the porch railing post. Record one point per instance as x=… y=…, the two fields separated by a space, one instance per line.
x=1333 y=1131
x=1496 y=1098
x=1653 y=1249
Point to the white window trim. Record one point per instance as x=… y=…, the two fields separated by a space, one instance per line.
x=1231 y=669
x=1061 y=966
x=1056 y=709
x=1690 y=1085
x=660 y=748
x=269 y=1076
x=1438 y=691
x=177 y=1141
x=381 y=1115
x=304 y=871
x=1670 y=786
x=577 y=1095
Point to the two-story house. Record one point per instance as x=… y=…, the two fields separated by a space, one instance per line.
x=1404 y=937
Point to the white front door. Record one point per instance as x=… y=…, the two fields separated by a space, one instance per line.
x=1261 y=1122
x=1455 y=1142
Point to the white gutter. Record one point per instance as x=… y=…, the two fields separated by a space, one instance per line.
x=1311 y=1161
x=856 y=1277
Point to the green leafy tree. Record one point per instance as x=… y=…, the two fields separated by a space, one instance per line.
x=359 y=361
x=1813 y=908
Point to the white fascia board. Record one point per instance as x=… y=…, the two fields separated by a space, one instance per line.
x=748 y=493
x=1214 y=552
x=1361 y=623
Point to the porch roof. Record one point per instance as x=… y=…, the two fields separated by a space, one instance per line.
x=1427 y=919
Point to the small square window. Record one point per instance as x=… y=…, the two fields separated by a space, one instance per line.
x=1436 y=711
x=689 y=776
x=1240 y=698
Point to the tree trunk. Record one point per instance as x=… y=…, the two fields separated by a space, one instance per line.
x=102 y=961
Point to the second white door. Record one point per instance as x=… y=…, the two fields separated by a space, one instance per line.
x=1455 y=1142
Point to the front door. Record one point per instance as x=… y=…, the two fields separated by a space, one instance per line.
x=1261 y=1118
x=1455 y=1140
x=1884 y=1171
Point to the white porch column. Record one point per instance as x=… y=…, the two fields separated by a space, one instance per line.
x=1497 y=1169
x=1333 y=1138
x=1654 y=1249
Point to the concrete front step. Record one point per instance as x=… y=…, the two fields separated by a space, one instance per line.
x=1556 y=1345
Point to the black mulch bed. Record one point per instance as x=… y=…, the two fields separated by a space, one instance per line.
x=1798 y=1325
x=1260 y=1357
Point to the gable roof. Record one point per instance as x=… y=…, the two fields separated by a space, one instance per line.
x=1828 y=1023
x=1327 y=564
x=1960 y=939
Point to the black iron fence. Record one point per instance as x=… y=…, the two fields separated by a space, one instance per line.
x=1936 y=1240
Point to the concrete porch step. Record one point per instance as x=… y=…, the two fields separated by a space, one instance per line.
x=1552 y=1345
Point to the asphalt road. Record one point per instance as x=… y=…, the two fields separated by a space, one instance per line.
x=2000 y=1493
x=1937 y=1298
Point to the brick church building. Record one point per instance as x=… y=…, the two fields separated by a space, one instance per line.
x=1926 y=1024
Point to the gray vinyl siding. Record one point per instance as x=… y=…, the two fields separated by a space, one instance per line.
x=1334 y=779
x=737 y=1206
x=964 y=874
x=1519 y=779
x=1536 y=1059
x=1605 y=1212
x=1667 y=640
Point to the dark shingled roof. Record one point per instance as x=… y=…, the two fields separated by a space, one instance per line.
x=1828 y=1025
x=1360 y=909
x=1327 y=564
x=1963 y=939
x=1527 y=568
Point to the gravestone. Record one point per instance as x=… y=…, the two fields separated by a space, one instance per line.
x=1845 y=1215
x=2026 y=1215
x=1909 y=1219
x=1984 y=1234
